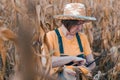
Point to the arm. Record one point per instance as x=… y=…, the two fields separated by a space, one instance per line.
x=89 y=59
x=88 y=52
x=60 y=61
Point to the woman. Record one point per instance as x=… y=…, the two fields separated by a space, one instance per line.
x=71 y=47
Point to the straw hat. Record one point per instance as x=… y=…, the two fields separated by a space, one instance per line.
x=74 y=11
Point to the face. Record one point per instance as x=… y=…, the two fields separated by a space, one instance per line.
x=76 y=28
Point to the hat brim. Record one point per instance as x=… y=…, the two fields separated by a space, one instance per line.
x=72 y=17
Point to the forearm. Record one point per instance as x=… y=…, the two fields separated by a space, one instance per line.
x=89 y=60
x=92 y=66
x=60 y=61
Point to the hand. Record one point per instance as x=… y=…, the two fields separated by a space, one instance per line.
x=79 y=61
x=69 y=72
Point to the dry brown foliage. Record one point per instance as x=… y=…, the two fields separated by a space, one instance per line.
x=29 y=20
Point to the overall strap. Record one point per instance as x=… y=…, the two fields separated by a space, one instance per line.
x=59 y=41
x=79 y=42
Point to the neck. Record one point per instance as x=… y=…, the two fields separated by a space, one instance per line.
x=66 y=33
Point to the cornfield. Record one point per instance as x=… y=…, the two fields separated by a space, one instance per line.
x=23 y=24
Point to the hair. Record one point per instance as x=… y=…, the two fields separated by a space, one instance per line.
x=69 y=23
